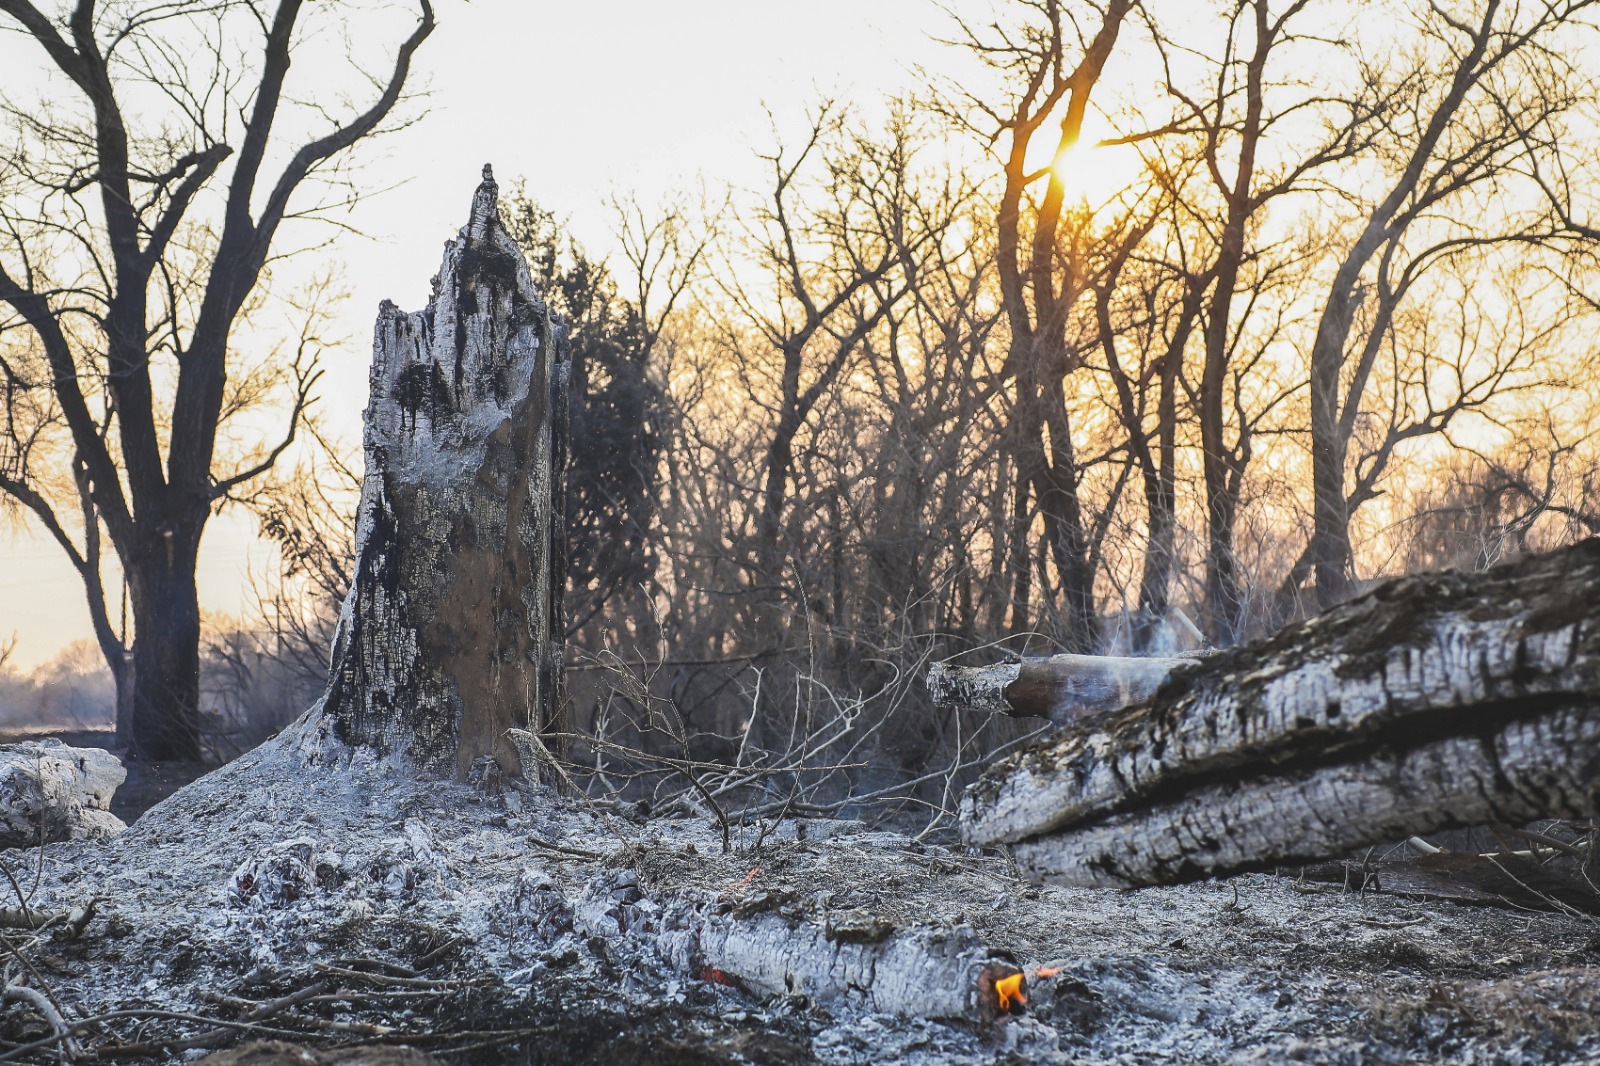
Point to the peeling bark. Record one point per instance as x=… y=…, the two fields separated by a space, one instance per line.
x=1434 y=701
x=452 y=631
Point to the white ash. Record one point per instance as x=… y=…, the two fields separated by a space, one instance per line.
x=272 y=867
x=52 y=792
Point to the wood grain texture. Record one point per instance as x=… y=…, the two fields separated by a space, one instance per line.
x=1435 y=700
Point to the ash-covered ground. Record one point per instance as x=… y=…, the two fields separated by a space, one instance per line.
x=352 y=904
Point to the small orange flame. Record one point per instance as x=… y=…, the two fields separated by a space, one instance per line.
x=1046 y=971
x=1009 y=990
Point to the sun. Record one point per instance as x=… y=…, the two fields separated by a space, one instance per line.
x=1096 y=170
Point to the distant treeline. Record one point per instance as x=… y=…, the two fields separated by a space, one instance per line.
x=71 y=691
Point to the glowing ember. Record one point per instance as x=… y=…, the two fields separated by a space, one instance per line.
x=715 y=976
x=1046 y=971
x=738 y=887
x=1009 y=990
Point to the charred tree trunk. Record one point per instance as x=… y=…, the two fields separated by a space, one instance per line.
x=1434 y=701
x=1161 y=547
x=110 y=639
x=452 y=632
x=1060 y=502
x=165 y=660
x=1330 y=552
x=121 y=663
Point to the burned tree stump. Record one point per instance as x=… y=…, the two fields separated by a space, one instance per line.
x=1434 y=701
x=452 y=631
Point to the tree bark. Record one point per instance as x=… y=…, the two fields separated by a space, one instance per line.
x=452 y=632
x=1434 y=701
x=1330 y=550
x=1161 y=507
x=1222 y=463
x=165 y=662
x=1061 y=506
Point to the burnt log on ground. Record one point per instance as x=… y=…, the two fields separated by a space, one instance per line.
x=1434 y=701
x=1062 y=688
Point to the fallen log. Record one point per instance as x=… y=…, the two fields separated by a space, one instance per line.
x=1062 y=688
x=1434 y=701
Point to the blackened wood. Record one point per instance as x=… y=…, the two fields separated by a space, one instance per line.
x=1062 y=688
x=1433 y=701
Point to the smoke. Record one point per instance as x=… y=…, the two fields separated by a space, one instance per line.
x=74 y=690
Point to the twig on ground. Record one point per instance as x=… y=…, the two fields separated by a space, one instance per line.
x=563 y=849
x=42 y=1003
x=401 y=982
x=151 y=1047
x=1548 y=841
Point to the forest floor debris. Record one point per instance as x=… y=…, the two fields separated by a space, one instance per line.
x=354 y=906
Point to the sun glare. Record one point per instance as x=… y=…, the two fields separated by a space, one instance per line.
x=1094 y=173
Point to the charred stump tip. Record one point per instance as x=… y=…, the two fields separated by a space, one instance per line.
x=485 y=206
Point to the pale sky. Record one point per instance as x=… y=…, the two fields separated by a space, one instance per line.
x=582 y=99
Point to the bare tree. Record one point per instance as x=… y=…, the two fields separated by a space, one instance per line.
x=307 y=513
x=832 y=247
x=1238 y=117
x=129 y=287
x=1055 y=62
x=1482 y=106
x=1148 y=305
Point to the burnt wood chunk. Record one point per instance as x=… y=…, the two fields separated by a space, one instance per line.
x=1062 y=688
x=1433 y=701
